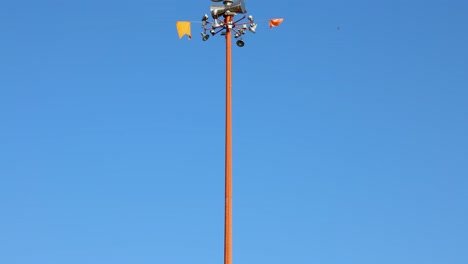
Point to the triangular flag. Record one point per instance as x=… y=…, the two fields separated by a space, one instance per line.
x=275 y=22
x=183 y=28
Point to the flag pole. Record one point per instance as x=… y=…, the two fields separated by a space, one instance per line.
x=228 y=148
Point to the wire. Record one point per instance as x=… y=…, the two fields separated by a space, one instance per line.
x=199 y=22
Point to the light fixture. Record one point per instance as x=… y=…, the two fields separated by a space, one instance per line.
x=205 y=17
x=216 y=24
x=205 y=36
x=253 y=27
x=251 y=19
x=240 y=43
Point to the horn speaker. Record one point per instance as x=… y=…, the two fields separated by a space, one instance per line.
x=237 y=7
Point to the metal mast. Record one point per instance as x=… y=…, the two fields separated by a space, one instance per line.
x=228 y=10
x=228 y=154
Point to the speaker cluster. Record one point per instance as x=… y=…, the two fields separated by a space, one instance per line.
x=238 y=27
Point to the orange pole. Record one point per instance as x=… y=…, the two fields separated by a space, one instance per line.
x=228 y=161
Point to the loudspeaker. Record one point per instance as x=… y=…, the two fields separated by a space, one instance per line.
x=232 y=9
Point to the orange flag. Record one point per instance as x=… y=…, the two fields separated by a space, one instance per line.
x=183 y=28
x=275 y=22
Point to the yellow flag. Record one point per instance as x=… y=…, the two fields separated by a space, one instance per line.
x=183 y=28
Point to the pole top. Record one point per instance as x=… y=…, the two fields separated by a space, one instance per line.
x=230 y=8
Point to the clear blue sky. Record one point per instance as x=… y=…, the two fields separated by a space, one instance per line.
x=350 y=144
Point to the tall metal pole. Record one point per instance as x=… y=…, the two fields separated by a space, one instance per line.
x=229 y=9
x=228 y=156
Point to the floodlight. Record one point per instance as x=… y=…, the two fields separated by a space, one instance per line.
x=251 y=19
x=216 y=24
x=212 y=32
x=205 y=36
x=253 y=27
x=205 y=17
x=240 y=43
x=236 y=35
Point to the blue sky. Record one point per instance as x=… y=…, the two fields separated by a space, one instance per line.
x=350 y=144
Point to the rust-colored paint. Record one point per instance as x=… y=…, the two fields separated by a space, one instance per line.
x=228 y=156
